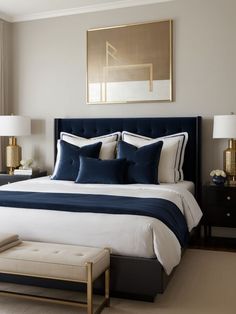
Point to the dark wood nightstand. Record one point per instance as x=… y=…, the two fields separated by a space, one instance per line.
x=219 y=207
x=7 y=178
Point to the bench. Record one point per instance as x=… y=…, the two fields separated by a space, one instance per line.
x=60 y=262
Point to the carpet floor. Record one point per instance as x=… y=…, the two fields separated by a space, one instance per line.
x=204 y=283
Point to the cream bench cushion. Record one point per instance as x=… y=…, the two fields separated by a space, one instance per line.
x=56 y=261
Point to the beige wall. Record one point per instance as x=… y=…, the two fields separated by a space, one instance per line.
x=5 y=80
x=49 y=70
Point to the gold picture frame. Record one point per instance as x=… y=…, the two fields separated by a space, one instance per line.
x=130 y=63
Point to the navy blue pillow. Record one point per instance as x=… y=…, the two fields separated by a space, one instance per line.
x=68 y=162
x=142 y=163
x=101 y=171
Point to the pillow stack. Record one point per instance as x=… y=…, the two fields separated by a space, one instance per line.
x=170 y=168
x=139 y=159
x=71 y=149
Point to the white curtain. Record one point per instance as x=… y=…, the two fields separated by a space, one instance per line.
x=3 y=83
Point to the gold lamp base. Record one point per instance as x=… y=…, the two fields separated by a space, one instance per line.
x=232 y=181
x=13 y=155
x=230 y=162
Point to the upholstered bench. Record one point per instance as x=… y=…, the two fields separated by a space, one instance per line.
x=61 y=262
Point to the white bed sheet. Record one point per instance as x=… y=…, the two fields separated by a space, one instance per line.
x=126 y=235
x=188 y=185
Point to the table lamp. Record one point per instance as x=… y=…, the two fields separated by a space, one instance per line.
x=225 y=127
x=13 y=126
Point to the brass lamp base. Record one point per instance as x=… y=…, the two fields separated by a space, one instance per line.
x=230 y=162
x=13 y=155
x=231 y=180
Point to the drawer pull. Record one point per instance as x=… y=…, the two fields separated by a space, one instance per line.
x=228 y=214
x=228 y=198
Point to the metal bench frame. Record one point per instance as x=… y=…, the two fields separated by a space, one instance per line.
x=89 y=282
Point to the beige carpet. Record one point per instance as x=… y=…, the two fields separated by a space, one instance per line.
x=204 y=283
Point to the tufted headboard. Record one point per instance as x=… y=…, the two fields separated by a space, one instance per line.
x=151 y=127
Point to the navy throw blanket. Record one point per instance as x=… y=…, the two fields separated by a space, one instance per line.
x=161 y=209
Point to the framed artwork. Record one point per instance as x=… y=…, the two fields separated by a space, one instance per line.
x=130 y=63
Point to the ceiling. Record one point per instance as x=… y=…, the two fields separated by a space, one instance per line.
x=26 y=10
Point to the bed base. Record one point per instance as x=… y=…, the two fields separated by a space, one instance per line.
x=131 y=277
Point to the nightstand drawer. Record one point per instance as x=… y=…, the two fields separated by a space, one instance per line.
x=221 y=216
x=221 y=196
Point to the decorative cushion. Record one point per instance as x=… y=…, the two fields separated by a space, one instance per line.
x=142 y=163
x=68 y=162
x=6 y=238
x=101 y=171
x=172 y=154
x=109 y=142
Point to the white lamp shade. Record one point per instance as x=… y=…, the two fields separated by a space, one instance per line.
x=224 y=126
x=14 y=126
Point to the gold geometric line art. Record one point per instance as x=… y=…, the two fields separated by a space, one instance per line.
x=111 y=52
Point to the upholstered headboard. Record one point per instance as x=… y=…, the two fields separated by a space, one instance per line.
x=151 y=127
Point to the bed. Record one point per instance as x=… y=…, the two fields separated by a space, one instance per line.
x=136 y=272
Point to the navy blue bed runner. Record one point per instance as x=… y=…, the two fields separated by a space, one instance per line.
x=161 y=209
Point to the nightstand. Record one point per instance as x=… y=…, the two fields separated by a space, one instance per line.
x=219 y=207
x=7 y=178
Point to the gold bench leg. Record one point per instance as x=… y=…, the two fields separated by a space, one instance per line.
x=90 y=288
x=106 y=300
x=107 y=287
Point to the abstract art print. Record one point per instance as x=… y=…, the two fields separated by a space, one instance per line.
x=130 y=63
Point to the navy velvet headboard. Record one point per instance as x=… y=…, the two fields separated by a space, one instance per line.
x=151 y=127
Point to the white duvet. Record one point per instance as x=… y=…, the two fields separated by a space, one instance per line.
x=127 y=235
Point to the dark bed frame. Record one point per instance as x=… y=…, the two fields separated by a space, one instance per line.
x=141 y=278
x=132 y=277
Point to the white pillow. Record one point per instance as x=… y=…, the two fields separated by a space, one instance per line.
x=172 y=154
x=109 y=142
